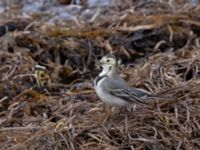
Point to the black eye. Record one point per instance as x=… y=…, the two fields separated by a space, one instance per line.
x=108 y=60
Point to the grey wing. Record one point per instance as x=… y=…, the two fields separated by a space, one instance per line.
x=119 y=88
x=140 y=92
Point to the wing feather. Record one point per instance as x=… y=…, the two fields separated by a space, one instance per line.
x=119 y=88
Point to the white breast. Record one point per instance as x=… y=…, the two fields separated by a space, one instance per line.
x=108 y=98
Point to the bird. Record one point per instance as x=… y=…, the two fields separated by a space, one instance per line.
x=112 y=89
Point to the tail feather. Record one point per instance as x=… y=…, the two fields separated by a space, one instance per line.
x=156 y=97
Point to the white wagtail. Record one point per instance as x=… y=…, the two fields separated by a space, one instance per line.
x=113 y=89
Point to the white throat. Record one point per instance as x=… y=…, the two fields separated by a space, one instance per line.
x=106 y=70
x=109 y=70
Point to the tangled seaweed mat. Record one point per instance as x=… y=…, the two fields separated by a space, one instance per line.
x=56 y=107
x=71 y=120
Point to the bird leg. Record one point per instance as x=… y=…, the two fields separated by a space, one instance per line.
x=107 y=111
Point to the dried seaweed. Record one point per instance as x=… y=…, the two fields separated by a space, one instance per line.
x=47 y=100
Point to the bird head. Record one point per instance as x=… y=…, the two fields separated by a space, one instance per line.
x=109 y=64
x=108 y=60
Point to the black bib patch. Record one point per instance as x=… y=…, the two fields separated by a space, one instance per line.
x=99 y=78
